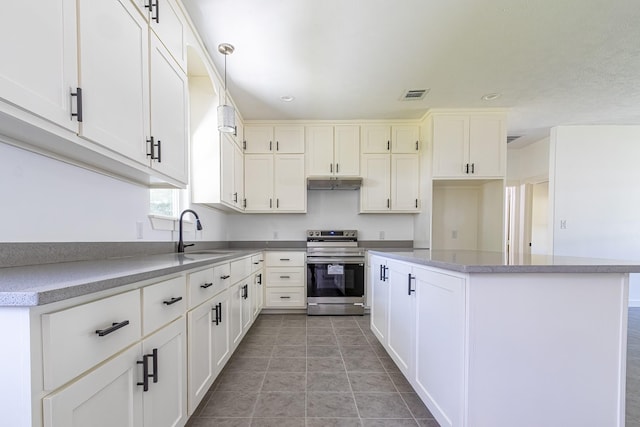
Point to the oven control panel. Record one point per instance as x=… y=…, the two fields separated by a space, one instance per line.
x=332 y=234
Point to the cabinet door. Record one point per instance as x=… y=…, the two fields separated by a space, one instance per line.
x=289 y=139
x=200 y=355
x=227 y=165
x=379 y=299
x=167 y=23
x=405 y=139
x=401 y=316
x=258 y=139
x=235 y=314
x=107 y=396
x=450 y=145
x=376 y=183
x=319 y=150
x=347 y=150
x=221 y=351
x=165 y=403
x=247 y=304
x=258 y=293
x=290 y=188
x=258 y=182
x=238 y=176
x=440 y=330
x=114 y=70
x=487 y=146
x=168 y=113
x=38 y=41
x=375 y=139
x=405 y=182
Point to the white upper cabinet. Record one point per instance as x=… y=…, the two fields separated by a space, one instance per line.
x=280 y=139
x=114 y=69
x=258 y=182
x=375 y=139
x=319 y=150
x=405 y=139
x=169 y=122
x=346 y=150
x=38 y=71
x=258 y=139
x=332 y=150
x=390 y=139
x=469 y=146
x=289 y=183
x=376 y=183
x=405 y=182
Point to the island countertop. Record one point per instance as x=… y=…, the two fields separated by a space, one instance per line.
x=496 y=262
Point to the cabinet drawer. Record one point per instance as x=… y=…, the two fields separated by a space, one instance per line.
x=285 y=259
x=206 y=283
x=256 y=262
x=285 y=297
x=240 y=269
x=162 y=303
x=282 y=276
x=78 y=338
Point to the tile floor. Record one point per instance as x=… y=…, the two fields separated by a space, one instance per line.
x=295 y=370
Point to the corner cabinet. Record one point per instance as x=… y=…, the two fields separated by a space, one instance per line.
x=469 y=146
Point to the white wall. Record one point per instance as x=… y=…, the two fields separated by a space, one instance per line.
x=45 y=200
x=529 y=163
x=593 y=186
x=326 y=209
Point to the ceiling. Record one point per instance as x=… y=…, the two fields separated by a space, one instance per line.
x=554 y=62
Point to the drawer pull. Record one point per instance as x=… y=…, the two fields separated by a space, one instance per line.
x=225 y=277
x=206 y=285
x=172 y=301
x=256 y=263
x=285 y=277
x=285 y=297
x=114 y=327
x=285 y=259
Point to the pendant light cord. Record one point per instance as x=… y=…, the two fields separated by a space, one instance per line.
x=225 y=78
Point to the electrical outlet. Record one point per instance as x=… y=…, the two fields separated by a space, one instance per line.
x=138 y=230
x=382 y=235
x=275 y=235
x=563 y=224
x=454 y=234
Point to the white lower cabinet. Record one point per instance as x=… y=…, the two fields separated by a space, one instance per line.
x=165 y=401
x=440 y=324
x=221 y=349
x=106 y=397
x=379 y=297
x=401 y=315
x=418 y=316
x=285 y=279
x=235 y=314
x=201 y=369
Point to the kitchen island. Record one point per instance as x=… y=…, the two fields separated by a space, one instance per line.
x=488 y=343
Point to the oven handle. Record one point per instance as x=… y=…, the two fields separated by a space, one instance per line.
x=334 y=261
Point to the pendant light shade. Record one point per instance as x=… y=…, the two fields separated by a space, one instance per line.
x=226 y=113
x=226 y=119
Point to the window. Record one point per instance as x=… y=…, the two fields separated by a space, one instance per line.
x=164 y=202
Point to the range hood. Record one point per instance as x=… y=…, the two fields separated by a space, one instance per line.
x=334 y=183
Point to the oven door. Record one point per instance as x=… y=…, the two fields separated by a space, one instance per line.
x=335 y=280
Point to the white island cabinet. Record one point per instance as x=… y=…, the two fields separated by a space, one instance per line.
x=489 y=344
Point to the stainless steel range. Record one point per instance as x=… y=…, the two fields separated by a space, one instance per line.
x=335 y=273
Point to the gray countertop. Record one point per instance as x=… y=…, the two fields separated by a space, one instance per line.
x=495 y=262
x=47 y=283
x=43 y=284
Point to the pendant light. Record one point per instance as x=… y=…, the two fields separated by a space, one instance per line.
x=226 y=113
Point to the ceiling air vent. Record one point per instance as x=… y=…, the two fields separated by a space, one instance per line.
x=414 y=94
x=511 y=138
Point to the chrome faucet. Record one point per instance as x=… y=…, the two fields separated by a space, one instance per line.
x=181 y=244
